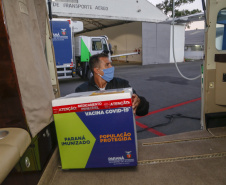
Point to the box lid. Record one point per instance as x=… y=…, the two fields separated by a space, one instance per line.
x=93 y=100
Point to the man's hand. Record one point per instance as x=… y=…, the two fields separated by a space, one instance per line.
x=135 y=102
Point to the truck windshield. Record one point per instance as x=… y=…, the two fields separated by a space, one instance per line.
x=96 y=44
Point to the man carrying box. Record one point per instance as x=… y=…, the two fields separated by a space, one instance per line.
x=103 y=79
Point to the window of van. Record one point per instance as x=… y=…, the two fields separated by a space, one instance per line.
x=221 y=30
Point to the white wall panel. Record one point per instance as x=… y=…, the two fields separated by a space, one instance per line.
x=179 y=40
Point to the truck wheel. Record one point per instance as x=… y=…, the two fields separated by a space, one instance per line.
x=79 y=71
x=84 y=72
x=89 y=74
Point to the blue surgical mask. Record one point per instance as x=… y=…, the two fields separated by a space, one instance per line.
x=108 y=74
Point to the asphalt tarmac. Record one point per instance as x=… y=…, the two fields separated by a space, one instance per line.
x=175 y=103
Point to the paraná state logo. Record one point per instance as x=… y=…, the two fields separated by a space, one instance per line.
x=63 y=31
x=128 y=154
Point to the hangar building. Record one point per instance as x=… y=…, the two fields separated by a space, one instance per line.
x=130 y=25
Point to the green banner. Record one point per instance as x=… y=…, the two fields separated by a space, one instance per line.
x=74 y=139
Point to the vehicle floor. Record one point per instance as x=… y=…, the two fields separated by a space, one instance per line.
x=196 y=157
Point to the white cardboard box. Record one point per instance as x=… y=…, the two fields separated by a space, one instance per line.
x=96 y=129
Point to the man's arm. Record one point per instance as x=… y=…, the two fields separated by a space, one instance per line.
x=143 y=107
x=140 y=104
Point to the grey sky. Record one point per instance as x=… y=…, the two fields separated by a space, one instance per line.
x=196 y=5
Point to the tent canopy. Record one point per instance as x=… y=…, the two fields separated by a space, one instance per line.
x=99 y=14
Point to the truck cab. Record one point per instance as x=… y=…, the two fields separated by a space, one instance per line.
x=85 y=47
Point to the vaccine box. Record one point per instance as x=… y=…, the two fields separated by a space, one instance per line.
x=96 y=129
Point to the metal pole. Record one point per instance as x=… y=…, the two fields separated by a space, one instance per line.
x=50 y=14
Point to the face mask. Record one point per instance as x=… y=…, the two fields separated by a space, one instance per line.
x=108 y=74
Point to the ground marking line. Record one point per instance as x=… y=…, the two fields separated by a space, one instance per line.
x=170 y=107
x=160 y=110
x=150 y=129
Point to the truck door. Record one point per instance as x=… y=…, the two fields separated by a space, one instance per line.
x=97 y=46
x=106 y=48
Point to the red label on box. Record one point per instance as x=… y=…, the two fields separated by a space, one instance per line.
x=92 y=106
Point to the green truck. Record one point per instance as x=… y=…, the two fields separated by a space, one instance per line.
x=84 y=48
